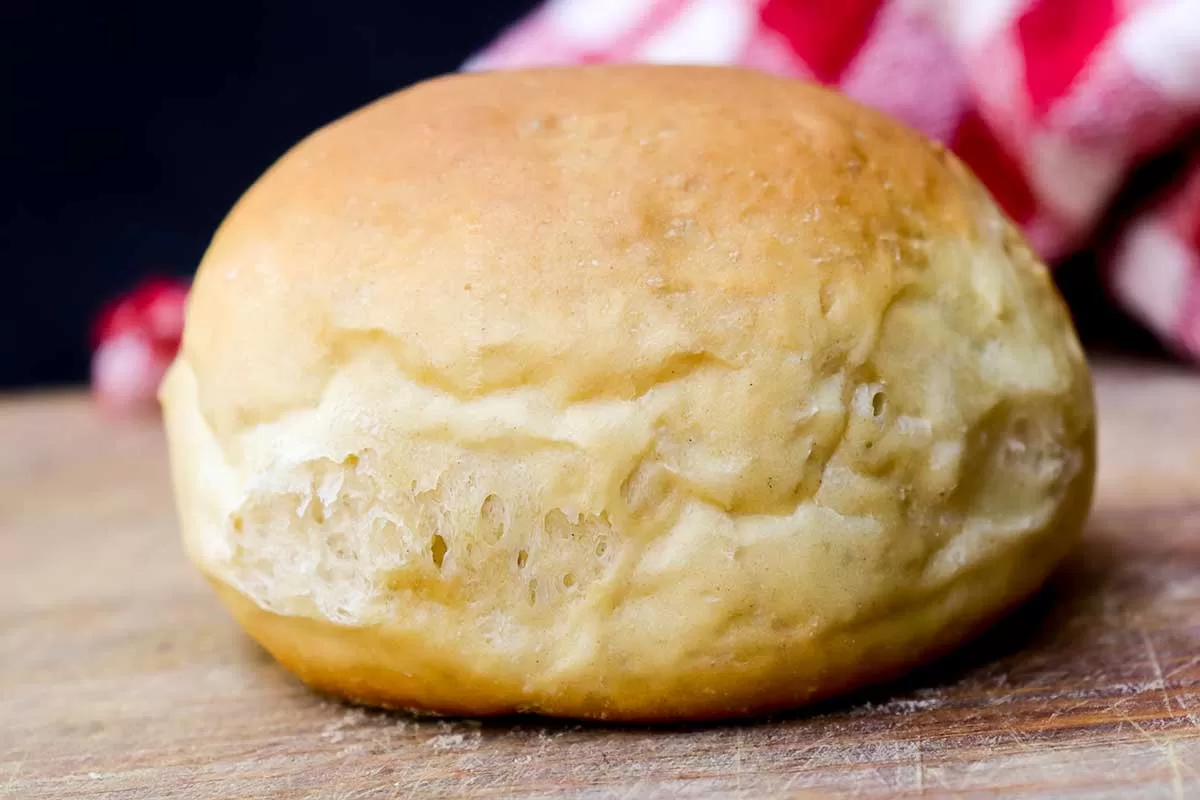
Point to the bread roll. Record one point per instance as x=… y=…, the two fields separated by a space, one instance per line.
x=628 y=393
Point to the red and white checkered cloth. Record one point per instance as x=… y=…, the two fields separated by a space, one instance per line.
x=1051 y=102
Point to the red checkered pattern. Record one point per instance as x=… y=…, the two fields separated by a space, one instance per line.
x=1051 y=102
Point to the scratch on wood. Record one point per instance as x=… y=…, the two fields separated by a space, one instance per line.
x=1167 y=747
x=804 y=751
x=1179 y=696
x=635 y=790
x=738 y=741
x=1018 y=738
x=1189 y=664
x=1152 y=655
x=1176 y=775
x=920 y=765
x=1161 y=681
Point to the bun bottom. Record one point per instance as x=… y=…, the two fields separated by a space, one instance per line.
x=388 y=667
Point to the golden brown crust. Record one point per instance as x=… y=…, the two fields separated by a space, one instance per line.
x=626 y=392
x=524 y=203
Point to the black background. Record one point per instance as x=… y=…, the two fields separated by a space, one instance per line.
x=128 y=129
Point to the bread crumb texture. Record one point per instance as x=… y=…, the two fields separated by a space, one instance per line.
x=627 y=392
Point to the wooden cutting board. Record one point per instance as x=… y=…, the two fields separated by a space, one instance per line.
x=121 y=677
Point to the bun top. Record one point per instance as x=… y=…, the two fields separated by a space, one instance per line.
x=592 y=232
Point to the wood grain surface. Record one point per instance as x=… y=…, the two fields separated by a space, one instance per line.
x=121 y=677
